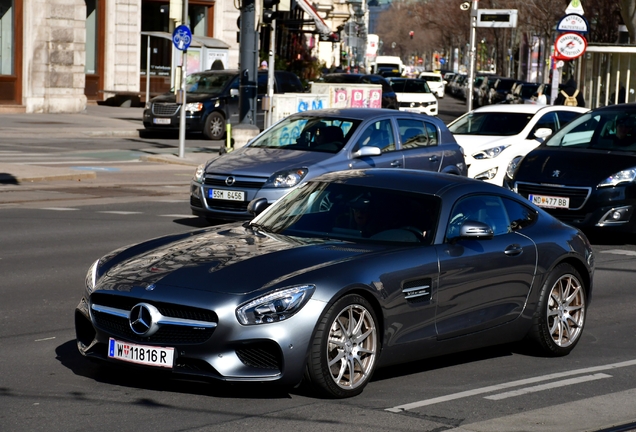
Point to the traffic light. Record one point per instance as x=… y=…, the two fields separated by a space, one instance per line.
x=269 y=14
x=411 y=33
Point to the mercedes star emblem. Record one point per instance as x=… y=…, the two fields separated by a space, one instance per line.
x=143 y=319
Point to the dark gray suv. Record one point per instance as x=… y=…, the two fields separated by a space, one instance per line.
x=212 y=98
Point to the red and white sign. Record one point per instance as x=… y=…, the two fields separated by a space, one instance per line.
x=570 y=46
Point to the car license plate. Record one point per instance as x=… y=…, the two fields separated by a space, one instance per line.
x=549 y=201
x=161 y=121
x=226 y=195
x=140 y=354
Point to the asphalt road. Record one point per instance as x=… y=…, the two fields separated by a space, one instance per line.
x=52 y=231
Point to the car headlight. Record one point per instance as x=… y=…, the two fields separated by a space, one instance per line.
x=512 y=167
x=198 y=174
x=624 y=176
x=91 y=277
x=490 y=153
x=194 y=107
x=286 y=178
x=275 y=307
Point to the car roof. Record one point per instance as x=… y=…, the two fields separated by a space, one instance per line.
x=430 y=74
x=526 y=108
x=360 y=113
x=410 y=180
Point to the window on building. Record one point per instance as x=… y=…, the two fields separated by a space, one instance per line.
x=6 y=37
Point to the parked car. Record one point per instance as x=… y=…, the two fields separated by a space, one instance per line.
x=414 y=95
x=212 y=98
x=389 y=99
x=435 y=82
x=494 y=135
x=585 y=174
x=502 y=88
x=305 y=145
x=349 y=272
x=457 y=85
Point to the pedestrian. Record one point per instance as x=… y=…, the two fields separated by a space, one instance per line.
x=263 y=65
x=570 y=95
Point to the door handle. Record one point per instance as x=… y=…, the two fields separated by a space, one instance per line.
x=396 y=164
x=433 y=158
x=513 y=250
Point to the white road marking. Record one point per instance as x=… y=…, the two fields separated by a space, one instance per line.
x=45 y=339
x=511 y=384
x=542 y=387
x=120 y=212
x=620 y=252
x=180 y=216
x=59 y=208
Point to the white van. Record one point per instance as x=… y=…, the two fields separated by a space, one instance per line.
x=387 y=66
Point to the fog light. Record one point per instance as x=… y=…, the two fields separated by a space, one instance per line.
x=617 y=215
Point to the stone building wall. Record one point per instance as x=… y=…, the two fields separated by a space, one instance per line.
x=54 y=56
x=123 y=46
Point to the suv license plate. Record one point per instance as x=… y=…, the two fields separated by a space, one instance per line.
x=549 y=201
x=140 y=354
x=161 y=121
x=226 y=195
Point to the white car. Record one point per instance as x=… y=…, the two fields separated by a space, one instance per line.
x=435 y=82
x=414 y=95
x=496 y=137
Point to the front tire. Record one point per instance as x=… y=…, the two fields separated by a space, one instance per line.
x=214 y=127
x=343 y=356
x=560 y=316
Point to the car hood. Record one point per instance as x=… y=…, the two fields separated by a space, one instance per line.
x=190 y=97
x=228 y=259
x=577 y=167
x=263 y=162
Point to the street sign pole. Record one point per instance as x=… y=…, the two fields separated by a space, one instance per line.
x=184 y=68
x=471 y=69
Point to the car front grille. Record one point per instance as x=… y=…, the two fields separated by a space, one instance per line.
x=577 y=195
x=255 y=183
x=118 y=326
x=238 y=206
x=165 y=109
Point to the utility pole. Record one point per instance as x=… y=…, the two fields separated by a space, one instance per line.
x=471 y=69
x=248 y=60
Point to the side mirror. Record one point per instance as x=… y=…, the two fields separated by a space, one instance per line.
x=474 y=229
x=367 y=151
x=542 y=133
x=234 y=92
x=256 y=206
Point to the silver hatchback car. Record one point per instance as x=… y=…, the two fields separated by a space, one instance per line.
x=305 y=145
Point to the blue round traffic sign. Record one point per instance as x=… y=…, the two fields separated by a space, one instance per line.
x=182 y=37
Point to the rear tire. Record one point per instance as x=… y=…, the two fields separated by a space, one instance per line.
x=214 y=128
x=345 y=348
x=560 y=316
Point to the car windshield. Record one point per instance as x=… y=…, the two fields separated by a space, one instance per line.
x=205 y=83
x=308 y=133
x=410 y=86
x=352 y=213
x=613 y=129
x=490 y=123
x=431 y=78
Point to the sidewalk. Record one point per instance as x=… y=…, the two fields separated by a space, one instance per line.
x=98 y=121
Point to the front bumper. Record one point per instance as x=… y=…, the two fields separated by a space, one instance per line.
x=419 y=108
x=274 y=352
x=203 y=205
x=194 y=122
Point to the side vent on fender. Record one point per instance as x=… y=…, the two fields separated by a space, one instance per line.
x=418 y=290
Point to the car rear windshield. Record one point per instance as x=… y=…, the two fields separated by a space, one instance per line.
x=205 y=83
x=309 y=133
x=491 y=123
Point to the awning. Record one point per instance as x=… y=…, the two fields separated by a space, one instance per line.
x=197 y=41
x=321 y=26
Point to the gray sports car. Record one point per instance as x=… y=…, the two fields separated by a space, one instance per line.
x=351 y=271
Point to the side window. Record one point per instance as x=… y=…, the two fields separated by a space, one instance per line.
x=520 y=216
x=480 y=208
x=431 y=131
x=566 y=117
x=413 y=133
x=379 y=134
x=547 y=121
